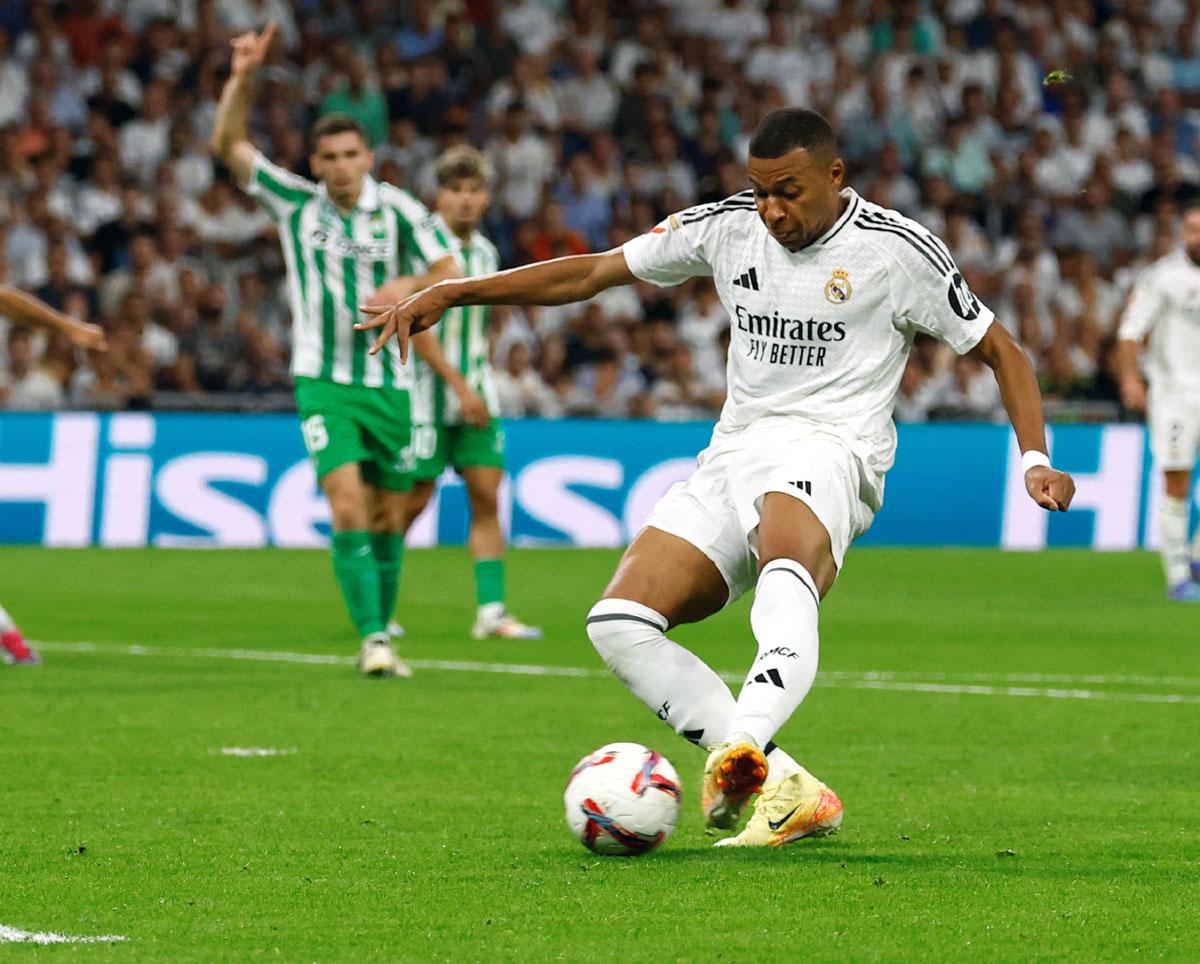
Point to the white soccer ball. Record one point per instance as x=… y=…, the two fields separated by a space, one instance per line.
x=623 y=799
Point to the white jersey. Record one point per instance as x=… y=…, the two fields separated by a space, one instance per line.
x=820 y=336
x=1165 y=304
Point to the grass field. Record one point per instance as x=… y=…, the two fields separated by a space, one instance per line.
x=1014 y=737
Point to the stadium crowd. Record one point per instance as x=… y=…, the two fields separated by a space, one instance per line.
x=1050 y=142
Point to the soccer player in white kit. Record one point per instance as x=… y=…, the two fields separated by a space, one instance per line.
x=1165 y=308
x=826 y=292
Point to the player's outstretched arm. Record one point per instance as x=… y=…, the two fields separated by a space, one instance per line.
x=998 y=350
x=556 y=282
x=25 y=309
x=230 y=141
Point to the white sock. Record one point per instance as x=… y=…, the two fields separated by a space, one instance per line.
x=675 y=683
x=6 y=622
x=1173 y=530
x=784 y=620
x=489 y=611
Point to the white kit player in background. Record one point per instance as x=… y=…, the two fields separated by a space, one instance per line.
x=1164 y=308
x=826 y=292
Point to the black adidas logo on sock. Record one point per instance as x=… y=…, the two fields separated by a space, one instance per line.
x=748 y=280
x=769 y=676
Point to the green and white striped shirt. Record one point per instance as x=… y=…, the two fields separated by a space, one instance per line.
x=464 y=336
x=335 y=262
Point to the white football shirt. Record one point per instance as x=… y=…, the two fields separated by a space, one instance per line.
x=820 y=336
x=1165 y=304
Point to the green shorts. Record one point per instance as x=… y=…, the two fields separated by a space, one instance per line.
x=352 y=423
x=462 y=446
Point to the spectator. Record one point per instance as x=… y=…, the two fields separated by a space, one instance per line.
x=26 y=385
x=360 y=99
x=522 y=392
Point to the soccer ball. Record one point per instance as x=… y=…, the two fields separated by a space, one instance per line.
x=622 y=800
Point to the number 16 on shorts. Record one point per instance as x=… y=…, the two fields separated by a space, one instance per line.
x=315 y=435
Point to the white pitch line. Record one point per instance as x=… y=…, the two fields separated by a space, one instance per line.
x=256 y=751
x=1085 y=679
x=840 y=679
x=12 y=935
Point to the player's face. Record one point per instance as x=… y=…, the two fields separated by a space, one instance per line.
x=797 y=195
x=1191 y=235
x=342 y=162
x=463 y=202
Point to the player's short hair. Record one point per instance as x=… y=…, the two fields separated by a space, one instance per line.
x=1189 y=203
x=788 y=128
x=332 y=124
x=459 y=162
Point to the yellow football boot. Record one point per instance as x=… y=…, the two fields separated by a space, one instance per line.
x=733 y=773
x=791 y=808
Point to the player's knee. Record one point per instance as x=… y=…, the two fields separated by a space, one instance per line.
x=418 y=500
x=346 y=513
x=618 y=627
x=484 y=503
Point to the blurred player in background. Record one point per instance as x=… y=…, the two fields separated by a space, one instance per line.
x=1164 y=307
x=826 y=292
x=455 y=408
x=345 y=239
x=24 y=309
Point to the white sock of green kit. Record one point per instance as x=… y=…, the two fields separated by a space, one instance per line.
x=1173 y=532
x=784 y=620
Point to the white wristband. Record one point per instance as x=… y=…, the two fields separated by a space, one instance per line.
x=1032 y=459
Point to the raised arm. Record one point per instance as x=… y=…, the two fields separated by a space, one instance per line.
x=25 y=309
x=230 y=141
x=1022 y=399
x=556 y=282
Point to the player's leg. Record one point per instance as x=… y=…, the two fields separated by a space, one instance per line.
x=1173 y=520
x=1172 y=436
x=429 y=455
x=797 y=568
x=13 y=648
x=486 y=541
x=383 y=421
x=388 y=523
x=332 y=435
x=666 y=580
x=353 y=559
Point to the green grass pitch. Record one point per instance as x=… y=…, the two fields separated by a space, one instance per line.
x=1014 y=737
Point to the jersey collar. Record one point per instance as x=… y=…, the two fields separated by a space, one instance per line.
x=368 y=198
x=852 y=209
x=454 y=238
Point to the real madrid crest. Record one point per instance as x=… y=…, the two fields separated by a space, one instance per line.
x=837 y=288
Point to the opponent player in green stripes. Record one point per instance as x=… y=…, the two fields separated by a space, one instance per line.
x=455 y=407
x=345 y=240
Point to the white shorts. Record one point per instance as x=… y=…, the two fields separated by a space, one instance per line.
x=717 y=509
x=1174 y=423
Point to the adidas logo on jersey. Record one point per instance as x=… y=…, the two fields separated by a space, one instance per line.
x=806 y=487
x=748 y=280
x=769 y=676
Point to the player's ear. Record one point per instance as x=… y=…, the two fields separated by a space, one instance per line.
x=837 y=172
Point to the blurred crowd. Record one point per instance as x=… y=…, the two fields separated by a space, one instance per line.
x=1050 y=142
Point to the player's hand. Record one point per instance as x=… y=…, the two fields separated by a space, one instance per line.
x=1049 y=488
x=1133 y=393
x=84 y=335
x=250 y=49
x=405 y=318
x=474 y=409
